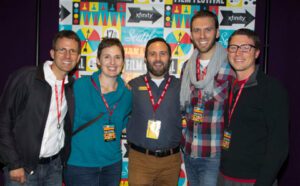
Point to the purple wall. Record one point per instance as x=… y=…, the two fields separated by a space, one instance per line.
x=284 y=63
x=18 y=33
x=18 y=49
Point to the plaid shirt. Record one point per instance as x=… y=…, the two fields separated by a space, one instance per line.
x=203 y=139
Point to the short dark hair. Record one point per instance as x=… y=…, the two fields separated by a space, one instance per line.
x=249 y=33
x=205 y=13
x=157 y=39
x=66 y=34
x=109 y=42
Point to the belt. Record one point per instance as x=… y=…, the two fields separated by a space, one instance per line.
x=156 y=153
x=48 y=159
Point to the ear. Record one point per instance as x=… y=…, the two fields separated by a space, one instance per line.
x=98 y=62
x=218 y=34
x=257 y=52
x=52 y=53
x=78 y=58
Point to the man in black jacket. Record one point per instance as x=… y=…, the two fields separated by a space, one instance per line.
x=36 y=111
x=255 y=142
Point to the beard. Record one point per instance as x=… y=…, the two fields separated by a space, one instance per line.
x=159 y=72
x=208 y=48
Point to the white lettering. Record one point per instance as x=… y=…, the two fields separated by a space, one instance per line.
x=144 y=15
x=236 y=18
x=134 y=65
x=209 y=1
x=182 y=1
x=140 y=37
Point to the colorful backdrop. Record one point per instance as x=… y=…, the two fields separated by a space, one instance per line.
x=134 y=22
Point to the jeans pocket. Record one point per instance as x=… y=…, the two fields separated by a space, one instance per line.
x=57 y=165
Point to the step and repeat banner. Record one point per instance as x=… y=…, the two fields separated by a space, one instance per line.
x=134 y=22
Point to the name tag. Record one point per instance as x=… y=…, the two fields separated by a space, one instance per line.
x=226 y=140
x=109 y=133
x=153 y=129
x=198 y=114
x=142 y=88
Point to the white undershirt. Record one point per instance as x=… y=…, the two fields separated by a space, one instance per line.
x=53 y=138
x=157 y=81
x=204 y=63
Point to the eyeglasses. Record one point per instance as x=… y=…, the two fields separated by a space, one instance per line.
x=243 y=48
x=64 y=51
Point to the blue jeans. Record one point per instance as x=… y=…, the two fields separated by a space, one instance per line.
x=202 y=171
x=93 y=176
x=45 y=174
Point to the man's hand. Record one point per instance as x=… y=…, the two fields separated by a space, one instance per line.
x=18 y=175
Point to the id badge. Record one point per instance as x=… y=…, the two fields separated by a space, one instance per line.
x=109 y=133
x=226 y=140
x=153 y=129
x=183 y=122
x=198 y=114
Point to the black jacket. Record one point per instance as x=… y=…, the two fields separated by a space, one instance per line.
x=259 y=128
x=24 y=108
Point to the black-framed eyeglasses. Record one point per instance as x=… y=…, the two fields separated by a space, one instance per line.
x=243 y=48
x=64 y=51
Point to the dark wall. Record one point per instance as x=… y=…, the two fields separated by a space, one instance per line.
x=284 y=63
x=19 y=39
x=18 y=33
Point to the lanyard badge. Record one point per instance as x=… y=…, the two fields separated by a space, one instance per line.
x=198 y=110
x=59 y=101
x=109 y=133
x=227 y=133
x=109 y=130
x=226 y=140
x=153 y=125
x=198 y=114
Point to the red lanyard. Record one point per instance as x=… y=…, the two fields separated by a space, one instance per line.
x=59 y=105
x=231 y=110
x=110 y=110
x=200 y=75
x=156 y=105
x=198 y=69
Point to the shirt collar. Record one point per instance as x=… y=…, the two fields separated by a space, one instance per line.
x=49 y=75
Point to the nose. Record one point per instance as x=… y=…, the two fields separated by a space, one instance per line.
x=238 y=51
x=202 y=34
x=68 y=54
x=158 y=58
x=112 y=60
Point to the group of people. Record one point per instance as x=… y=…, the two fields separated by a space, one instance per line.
x=224 y=116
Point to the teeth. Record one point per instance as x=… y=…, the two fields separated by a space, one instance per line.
x=112 y=68
x=239 y=60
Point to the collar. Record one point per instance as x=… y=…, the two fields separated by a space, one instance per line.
x=166 y=76
x=49 y=74
x=40 y=73
x=252 y=81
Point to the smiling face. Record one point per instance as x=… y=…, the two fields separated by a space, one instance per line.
x=158 y=59
x=204 y=35
x=243 y=62
x=111 y=61
x=65 y=56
